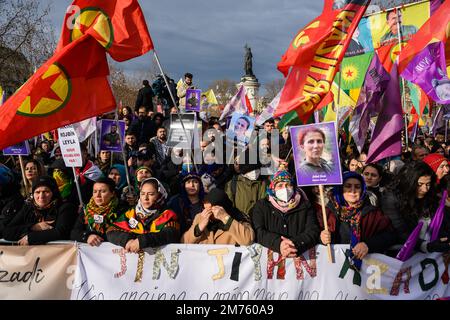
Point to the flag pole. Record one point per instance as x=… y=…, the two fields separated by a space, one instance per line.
x=127 y=174
x=325 y=223
x=78 y=187
x=174 y=103
x=399 y=37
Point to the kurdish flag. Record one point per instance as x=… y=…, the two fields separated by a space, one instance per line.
x=353 y=71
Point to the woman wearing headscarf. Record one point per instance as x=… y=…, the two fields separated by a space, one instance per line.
x=149 y=223
x=285 y=221
x=190 y=200
x=64 y=180
x=356 y=221
x=118 y=174
x=219 y=223
x=99 y=214
x=43 y=219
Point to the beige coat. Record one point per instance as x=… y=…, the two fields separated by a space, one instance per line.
x=181 y=93
x=240 y=233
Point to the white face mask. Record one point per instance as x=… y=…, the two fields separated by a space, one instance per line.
x=253 y=175
x=284 y=194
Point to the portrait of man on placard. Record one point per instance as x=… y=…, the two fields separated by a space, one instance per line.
x=110 y=139
x=240 y=129
x=316 y=154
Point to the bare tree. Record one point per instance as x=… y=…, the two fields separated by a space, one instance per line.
x=124 y=87
x=224 y=90
x=27 y=39
x=272 y=88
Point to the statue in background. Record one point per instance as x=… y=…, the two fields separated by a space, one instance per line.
x=248 y=65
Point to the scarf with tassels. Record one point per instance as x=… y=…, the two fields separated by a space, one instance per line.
x=352 y=216
x=100 y=218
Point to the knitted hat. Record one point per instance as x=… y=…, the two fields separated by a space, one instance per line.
x=279 y=176
x=434 y=160
x=142 y=168
x=46 y=181
x=338 y=190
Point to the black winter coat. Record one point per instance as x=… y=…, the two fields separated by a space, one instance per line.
x=63 y=215
x=300 y=225
x=9 y=207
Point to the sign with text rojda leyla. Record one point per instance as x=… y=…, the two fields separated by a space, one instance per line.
x=70 y=147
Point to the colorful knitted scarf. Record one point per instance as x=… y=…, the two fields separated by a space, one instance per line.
x=136 y=222
x=352 y=216
x=100 y=218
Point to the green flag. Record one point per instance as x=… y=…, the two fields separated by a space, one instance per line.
x=354 y=71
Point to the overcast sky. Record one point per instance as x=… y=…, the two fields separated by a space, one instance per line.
x=207 y=37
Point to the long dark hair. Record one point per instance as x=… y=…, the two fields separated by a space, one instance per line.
x=404 y=186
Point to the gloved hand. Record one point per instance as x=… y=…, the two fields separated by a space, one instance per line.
x=439 y=245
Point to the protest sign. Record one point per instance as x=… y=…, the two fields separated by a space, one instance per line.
x=20 y=149
x=316 y=154
x=193 y=99
x=240 y=129
x=109 y=133
x=70 y=147
x=177 y=136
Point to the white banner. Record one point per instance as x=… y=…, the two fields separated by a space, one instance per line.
x=216 y=272
x=37 y=272
x=70 y=147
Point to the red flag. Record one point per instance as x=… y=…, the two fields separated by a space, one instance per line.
x=69 y=87
x=314 y=56
x=437 y=28
x=248 y=104
x=119 y=26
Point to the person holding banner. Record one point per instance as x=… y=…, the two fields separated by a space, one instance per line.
x=101 y=211
x=356 y=221
x=149 y=223
x=219 y=223
x=46 y=218
x=285 y=221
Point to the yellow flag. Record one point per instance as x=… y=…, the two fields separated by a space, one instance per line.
x=210 y=97
x=344 y=101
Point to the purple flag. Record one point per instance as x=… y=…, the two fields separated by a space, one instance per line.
x=441 y=116
x=368 y=104
x=438 y=217
x=386 y=138
x=428 y=71
x=408 y=248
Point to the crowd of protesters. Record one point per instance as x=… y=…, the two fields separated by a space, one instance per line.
x=222 y=202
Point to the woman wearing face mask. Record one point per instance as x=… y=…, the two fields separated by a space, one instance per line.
x=190 y=200
x=356 y=221
x=149 y=223
x=285 y=221
x=410 y=198
x=99 y=214
x=43 y=219
x=219 y=223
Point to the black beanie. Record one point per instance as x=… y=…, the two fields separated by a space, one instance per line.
x=49 y=182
